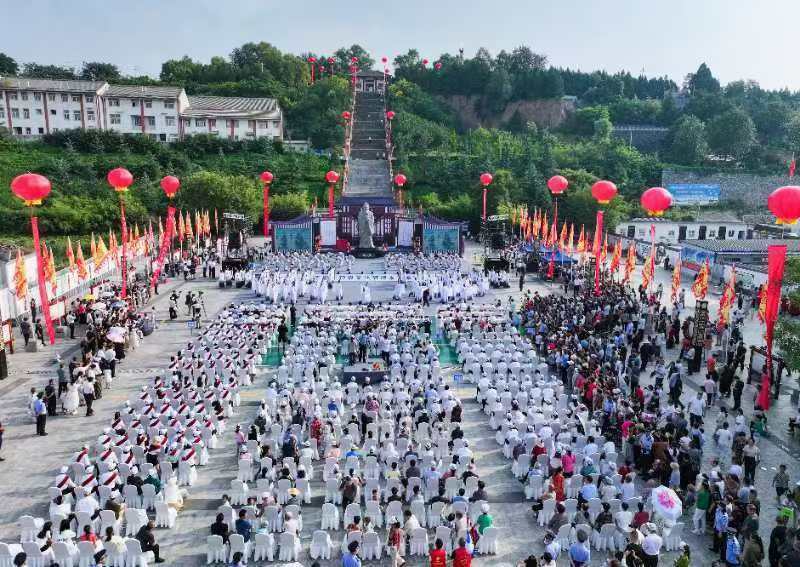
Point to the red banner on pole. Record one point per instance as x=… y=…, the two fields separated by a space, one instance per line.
x=330 y=200
x=166 y=240
x=266 y=210
x=597 y=231
x=776 y=262
x=45 y=303
x=484 y=204
x=124 y=226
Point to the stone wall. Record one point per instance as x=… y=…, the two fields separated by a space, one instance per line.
x=546 y=113
x=750 y=188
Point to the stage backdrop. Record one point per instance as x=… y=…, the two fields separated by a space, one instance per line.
x=405 y=233
x=440 y=239
x=292 y=238
x=327 y=232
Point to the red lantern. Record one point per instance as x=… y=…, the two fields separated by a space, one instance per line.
x=557 y=184
x=120 y=179
x=331 y=177
x=390 y=114
x=437 y=65
x=266 y=177
x=384 y=60
x=354 y=59
x=330 y=60
x=784 y=203
x=656 y=200
x=170 y=184
x=346 y=115
x=424 y=62
x=312 y=59
x=400 y=179
x=486 y=179
x=31 y=188
x=604 y=191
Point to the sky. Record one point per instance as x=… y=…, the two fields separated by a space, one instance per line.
x=738 y=39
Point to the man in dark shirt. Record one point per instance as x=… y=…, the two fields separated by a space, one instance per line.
x=479 y=494
x=412 y=470
x=220 y=528
x=243 y=526
x=148 y=540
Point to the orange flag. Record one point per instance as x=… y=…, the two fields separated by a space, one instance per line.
x=181 y=227
x=630 y=264
x=562 y=239
x=70 y=255
x=51 y=272
x=20 y=277
x=676 y=280
x=616 y=257
x=93 y=248
x=189 y=233
x=571 y=238
x=101 y=253
x=80 y=264
x=700 y=286
x=544 y=228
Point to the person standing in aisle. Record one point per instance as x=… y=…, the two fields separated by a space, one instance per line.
x=40 y=413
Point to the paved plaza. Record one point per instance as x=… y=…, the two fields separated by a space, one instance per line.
x=31 y=462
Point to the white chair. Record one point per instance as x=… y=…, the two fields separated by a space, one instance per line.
x=419 y=542
x=304 y=487
x=137 y=557
x=371 y=546
x=236 y=544
x=435 y=514
x=215 y=550
x=563 y=536
x=290 y=547
x=672 y=540
x=264 y=547
x=332 y=493
x=35 y=556
x=165 y=515
x=418 y=509
x=282 y=495
x=272 y=516
x=394 y=509
x=61 y=554
x=29 y=527
x=330 y=517
x=108 y=519
x=373 y=512
x=488 y=541
x=605 y=539
x=445 y=534
x=351 y=512
x=115 y=554
x=320 y=545
x=547 y=512
x=132 y=499
x=135 y=518
x=535 y=487
x=86 y=553
x=149 y=496
x=239 y=492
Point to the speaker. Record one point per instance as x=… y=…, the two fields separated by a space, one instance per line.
x=498 y=241
x=234 y=240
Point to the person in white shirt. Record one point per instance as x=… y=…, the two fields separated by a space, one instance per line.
x=651 y=546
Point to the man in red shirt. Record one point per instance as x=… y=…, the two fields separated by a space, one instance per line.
x=462 y=557
x=438 y=554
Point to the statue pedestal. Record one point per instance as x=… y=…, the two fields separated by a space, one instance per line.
x=366 y=253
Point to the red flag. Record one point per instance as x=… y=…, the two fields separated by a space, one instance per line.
x=776 y=262
x=551 y=266
x=792 y=166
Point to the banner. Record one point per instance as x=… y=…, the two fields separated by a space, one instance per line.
x=440 y=239
x=292 y=238
x=45 y=303
x=596 y=250
x=166 y=239
x=776 y=262
x=367 y=277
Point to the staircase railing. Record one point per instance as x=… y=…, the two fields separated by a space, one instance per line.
x=348 y=140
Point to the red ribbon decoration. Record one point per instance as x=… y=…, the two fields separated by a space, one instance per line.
x=484 y=204
x=124 y=227
x=776 y=262
x=166 y=240
x=266 y=210
x=48 y=321
x=330 y=200
x=598 y=230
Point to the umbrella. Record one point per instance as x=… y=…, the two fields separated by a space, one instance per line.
x=119 y=304
x=99 y=306
x=666 y=503
x=88 y=297
x=115 y=338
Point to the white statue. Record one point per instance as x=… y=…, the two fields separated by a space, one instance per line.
x=366 y=227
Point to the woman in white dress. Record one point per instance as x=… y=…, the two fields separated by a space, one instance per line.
x=71 y=399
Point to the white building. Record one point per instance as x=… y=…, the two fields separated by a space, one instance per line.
x=153 y=111
x=34 y=107
x=235 y=118
x=668 y=231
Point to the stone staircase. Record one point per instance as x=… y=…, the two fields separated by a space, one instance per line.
x=369 y=169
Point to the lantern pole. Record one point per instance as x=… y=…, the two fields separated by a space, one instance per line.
x=124 y=227
x=40 y=280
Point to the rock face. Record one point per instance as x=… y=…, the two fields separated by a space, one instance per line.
x=369 y=169
x=748 y=188
x=546 y=113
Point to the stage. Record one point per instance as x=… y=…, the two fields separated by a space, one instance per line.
x=373 y=370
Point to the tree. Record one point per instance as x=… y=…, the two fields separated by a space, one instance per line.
x=8 y=66
x=344 y=56
x=96 y=71
x=47 y=71
x=210 y=190
x=584 y=119
x=702 y=81
x=288 y=205
x=793 y=131
x=732 y=133
x=687 y=141
x=602 y=128
x=498 y=91
x=180 y=71
x=787 y=330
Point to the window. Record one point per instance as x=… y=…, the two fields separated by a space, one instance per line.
x=232 y=124
x=64 y=98
x=113 y=102
x=200 y=122
x=136 y=121
x=27 y=131
x=692 y=233
x=24 y=96
x=731 y=232
x=169 y=120
x=89 y=98
x=76 y=98
x=212 y=123
x=641 y=232
x=148 y=104
x=90 y=116
x=41 y=131
x=151 y=121
x=18 y=130
x=26 y=113
x=276 y=124
x=76 y=115
x=740 y=236
x=115 y=118
x=51 y=97
x=13 y=96
x=53 y=112
x=38 y=112
x=66 y=115
x=263 y=124
x=134 y=103
x=251 y=124
x=2 y=112
x=169 y=104
x=37 y=96
x=162 y=137
x=15 y=113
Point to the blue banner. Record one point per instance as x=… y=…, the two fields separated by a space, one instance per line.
x=693 y=258
x=292 y=238
x=440 y=239
x=694 y=193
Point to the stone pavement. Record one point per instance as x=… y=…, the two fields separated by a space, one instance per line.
x=31 y=462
